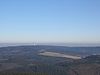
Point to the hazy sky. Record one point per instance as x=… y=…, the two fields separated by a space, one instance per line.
x=76 y=21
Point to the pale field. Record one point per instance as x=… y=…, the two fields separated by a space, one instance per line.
x=54 y=54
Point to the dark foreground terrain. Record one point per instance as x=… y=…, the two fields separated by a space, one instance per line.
x=25 y=60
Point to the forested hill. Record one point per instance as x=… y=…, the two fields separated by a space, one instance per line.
x=87 y=66
x=26 y=60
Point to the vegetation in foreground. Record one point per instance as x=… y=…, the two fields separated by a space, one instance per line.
x=21 y=73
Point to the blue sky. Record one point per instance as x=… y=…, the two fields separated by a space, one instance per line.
x=75 y=21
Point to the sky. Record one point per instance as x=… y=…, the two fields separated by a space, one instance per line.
x=59 y=21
